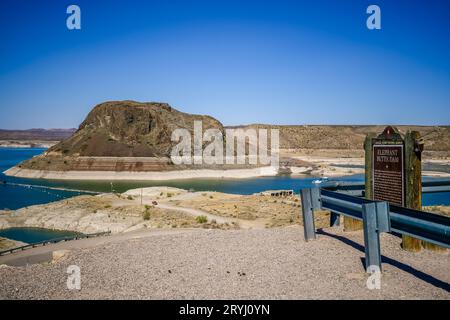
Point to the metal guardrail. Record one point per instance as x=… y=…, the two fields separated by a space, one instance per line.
x=56 y=240
x=357 y=188
x=377 y=217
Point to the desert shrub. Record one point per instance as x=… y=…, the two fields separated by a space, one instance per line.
x=107 y=206
x=146 y=215
x=201 y=219
x=130 y=198
x=169 y=194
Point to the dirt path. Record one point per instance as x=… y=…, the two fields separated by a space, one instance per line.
x=243 y=224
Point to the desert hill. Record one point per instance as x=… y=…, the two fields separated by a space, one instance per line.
x=121 y=136
x=129 y=129
x=437 y=138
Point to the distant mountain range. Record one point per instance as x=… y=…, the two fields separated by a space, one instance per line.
x=36 y=134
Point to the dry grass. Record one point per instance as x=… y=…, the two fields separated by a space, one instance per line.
x=276 y=212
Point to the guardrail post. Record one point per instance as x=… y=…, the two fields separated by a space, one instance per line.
x=335 y=219
x=308 y=214
x=371 y=236
x=375 y=220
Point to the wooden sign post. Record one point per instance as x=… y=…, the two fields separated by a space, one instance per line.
x=394 y=172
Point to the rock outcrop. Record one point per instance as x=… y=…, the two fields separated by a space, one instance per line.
x=115 y=134
x=129 y=129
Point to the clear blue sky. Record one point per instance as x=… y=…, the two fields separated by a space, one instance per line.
x=283 y=62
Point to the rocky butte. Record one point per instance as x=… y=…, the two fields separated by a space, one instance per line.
x=128 y=140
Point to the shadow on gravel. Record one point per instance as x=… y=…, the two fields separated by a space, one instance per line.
x=417 y=273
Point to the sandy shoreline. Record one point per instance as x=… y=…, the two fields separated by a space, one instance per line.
x=331 y=164
x=154 y=175
x=321 y=170
x=14 y=144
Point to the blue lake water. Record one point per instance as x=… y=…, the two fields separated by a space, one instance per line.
x=14 y=197
x=33 y=235
x=36 y=191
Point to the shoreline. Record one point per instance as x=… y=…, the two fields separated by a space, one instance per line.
x=135 y=175
x=28 y=144
x=329 y=171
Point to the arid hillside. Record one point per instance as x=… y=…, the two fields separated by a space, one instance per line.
x=350 y=137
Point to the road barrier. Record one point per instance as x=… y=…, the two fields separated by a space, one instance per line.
x=377 y=217
x=357 y=188
x=56 y=240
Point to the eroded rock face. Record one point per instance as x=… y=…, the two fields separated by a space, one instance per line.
x=130 y=129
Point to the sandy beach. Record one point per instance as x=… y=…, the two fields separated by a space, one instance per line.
x=155 y=175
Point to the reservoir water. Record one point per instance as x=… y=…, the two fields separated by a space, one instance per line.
x=33 y=235
x=20 y=192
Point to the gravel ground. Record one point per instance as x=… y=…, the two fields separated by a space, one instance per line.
x=237 y=264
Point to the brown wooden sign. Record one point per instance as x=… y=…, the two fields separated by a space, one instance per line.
x=388 y=181
x=394 y=173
